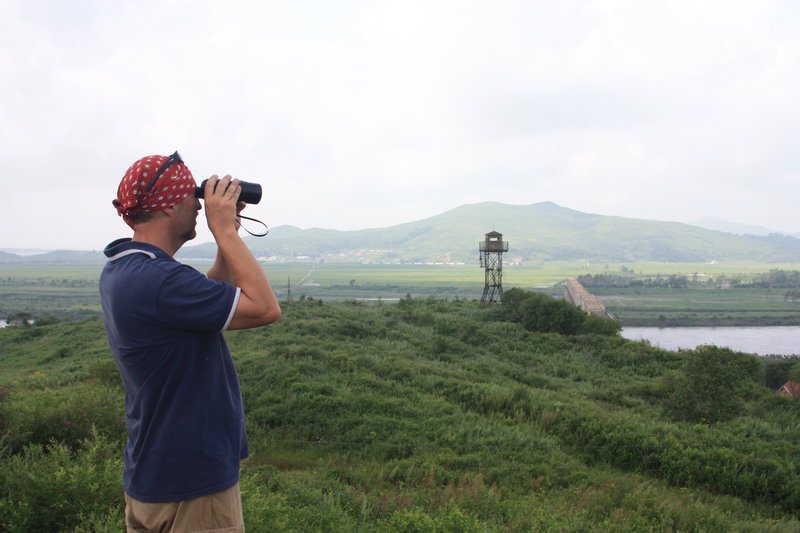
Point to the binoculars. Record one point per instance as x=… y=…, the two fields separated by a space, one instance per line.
x=251 y=192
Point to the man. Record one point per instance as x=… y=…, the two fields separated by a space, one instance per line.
x=164 y=322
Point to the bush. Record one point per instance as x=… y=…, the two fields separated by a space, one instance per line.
x=542 y=313
x=450 y=519
x=65 y=415
x=512 y=300
x=4 y=411
x=598 y=325
x=714 y=385
x=52 y=488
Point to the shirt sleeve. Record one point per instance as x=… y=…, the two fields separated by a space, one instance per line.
x=189 y=300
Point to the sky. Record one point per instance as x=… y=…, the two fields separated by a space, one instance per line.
x=366 y=114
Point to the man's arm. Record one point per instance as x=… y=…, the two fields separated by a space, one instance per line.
x=220 y=270
x=235 y=263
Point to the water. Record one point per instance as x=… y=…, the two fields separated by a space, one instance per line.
x=775 y=340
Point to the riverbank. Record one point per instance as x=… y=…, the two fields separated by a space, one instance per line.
x=664 y=307
x=773 y=340
x=695 y=321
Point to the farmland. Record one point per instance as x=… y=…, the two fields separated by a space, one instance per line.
x=69 y=290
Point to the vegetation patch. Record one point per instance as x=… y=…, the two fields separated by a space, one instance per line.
x=427 y=415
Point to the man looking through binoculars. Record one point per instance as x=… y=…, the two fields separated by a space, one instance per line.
x=164 y=322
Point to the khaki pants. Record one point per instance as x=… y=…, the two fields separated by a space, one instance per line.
x=218 y=512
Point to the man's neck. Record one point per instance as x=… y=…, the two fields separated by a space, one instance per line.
x=157 y=237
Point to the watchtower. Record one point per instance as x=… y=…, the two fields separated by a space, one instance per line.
x=491 y=255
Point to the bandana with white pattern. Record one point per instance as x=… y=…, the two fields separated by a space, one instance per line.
x=175 y=184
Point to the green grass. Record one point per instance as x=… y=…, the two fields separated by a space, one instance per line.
x=425 y=415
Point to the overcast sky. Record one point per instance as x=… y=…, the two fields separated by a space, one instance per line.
x=365 y=114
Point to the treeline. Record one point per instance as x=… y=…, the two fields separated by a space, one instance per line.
x=774 y=279
x=10 y=281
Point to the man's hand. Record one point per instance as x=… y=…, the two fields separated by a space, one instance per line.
x=239 y=207
x=221 y=206
x=235 y=264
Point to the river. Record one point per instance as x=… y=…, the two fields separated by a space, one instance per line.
x=774 y=340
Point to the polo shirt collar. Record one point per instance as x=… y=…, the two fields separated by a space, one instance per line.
x=124 y=247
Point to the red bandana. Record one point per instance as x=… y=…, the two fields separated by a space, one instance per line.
x=175 y=184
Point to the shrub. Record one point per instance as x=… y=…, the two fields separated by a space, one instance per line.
x=598 y=325
x=545 y=314
x=779 y=370
x=450 y=519
x=512 y=300
x=714 y=385
x=52 y=488
x=65 y=415
x=106 y=372
x=4 y=391
x=542 y=313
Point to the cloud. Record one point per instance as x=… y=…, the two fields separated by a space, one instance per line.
x=365 y=114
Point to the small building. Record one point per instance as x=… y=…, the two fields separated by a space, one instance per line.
x=790 y=389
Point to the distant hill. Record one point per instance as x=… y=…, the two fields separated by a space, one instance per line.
x=732 y=227
x=56 y=256
x=537 y=232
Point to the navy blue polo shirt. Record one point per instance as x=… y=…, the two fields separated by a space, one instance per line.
x=184 y=413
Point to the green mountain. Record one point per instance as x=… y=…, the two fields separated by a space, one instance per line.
x=536 y=232
x=55 y=256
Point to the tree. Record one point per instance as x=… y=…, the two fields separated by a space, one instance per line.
x=512 y=300
x=778 y=370
x=598 y=325
x=677 y=282
x=713 y=385
x=794 y=373
x=792 y=295
x=545 y=314
x=21 y=319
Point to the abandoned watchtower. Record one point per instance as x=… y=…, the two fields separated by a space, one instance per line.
x=491 y=257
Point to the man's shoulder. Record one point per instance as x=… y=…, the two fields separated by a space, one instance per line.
x=143 y=267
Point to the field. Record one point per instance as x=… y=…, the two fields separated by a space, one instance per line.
x=64 y=290
x=69 y=290
x=700 y=307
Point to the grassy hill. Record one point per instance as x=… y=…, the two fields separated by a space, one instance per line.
x=422 y=416
x=537 y=232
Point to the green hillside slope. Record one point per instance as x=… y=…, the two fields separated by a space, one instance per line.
x=537 y=232
x=420 y=416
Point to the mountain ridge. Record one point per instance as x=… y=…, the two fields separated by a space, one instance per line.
x=543 y=231
x=537 y=232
